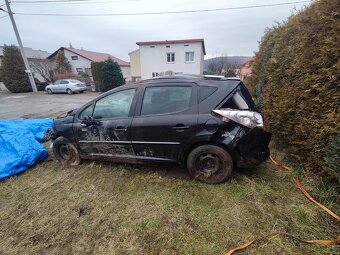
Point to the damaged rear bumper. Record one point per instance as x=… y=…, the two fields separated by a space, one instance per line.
x=253 y=148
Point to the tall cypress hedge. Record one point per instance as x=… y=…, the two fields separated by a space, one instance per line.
x=296 y=78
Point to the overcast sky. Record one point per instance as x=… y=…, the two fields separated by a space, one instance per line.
x=233 y=32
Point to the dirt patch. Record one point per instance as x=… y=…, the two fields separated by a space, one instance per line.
x=83 y=210
x=176 y=172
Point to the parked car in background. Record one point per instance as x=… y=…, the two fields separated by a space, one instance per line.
x=41 y=86
x=209 y=125
x=68 y=86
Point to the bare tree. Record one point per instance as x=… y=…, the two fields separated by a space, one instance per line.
x=221 y=65
x=43 y=67
x=217 y=64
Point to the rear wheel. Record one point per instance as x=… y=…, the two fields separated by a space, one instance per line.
x=69 y=91
x=65 y=152
x=210 y=164
x=49 y=91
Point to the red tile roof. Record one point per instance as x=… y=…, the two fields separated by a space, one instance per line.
x=173 y=41
x=93 y=56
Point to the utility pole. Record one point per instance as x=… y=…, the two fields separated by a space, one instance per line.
x=27 y=66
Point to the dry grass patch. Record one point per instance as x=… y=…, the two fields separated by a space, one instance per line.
x=106 y=208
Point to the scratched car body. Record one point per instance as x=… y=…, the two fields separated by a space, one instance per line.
x=210 y=125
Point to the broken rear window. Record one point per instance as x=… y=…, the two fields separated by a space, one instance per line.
x=236 y=102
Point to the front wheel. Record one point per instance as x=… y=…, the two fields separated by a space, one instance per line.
x=210 y=164
x=49 y=91
x=65 y=152
x=69 y=91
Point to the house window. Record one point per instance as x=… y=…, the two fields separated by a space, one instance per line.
x=74 y=57
x=189 y=56
x=170 y=57
x=79 y=70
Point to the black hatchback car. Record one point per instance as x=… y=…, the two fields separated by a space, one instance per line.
x=210 y=125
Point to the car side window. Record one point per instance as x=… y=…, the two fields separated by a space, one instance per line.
x=64 y=82
x=57 y=82
x=86 y=112
x=116 y=105
x=205 y=92
x=165 y=99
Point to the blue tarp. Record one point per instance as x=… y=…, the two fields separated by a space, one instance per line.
x=20 y=144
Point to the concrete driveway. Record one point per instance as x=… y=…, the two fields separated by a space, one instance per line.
x=29 y=105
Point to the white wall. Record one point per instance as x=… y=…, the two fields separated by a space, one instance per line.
x=80 y=63
x=155 y=59
x=126 y=70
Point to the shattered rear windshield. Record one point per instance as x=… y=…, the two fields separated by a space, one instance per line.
x=237 y=102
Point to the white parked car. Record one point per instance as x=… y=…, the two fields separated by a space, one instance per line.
x=68 y=86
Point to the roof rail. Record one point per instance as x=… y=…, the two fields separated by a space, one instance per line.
x=220 y=78
x=213 y=77
x=233 y=78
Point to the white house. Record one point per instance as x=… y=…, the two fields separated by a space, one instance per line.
x=81 y=60
x=156 y=58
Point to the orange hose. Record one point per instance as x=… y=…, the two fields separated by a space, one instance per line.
x=299 y=186
x=279 y=164
x=321 y=242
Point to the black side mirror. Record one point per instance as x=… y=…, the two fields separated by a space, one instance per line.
x=88 y=121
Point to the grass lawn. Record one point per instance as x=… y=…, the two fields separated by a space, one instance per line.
x=107 y=208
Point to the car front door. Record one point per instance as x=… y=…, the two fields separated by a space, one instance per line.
x=165 y=120
x=102 y=129
x=55 y=87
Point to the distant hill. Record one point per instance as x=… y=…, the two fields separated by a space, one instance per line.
x=237 y=60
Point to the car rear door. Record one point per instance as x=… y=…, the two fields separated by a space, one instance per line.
x=165 y=119
x=102 y=129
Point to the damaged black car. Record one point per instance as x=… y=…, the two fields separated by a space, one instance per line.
x=210 y=125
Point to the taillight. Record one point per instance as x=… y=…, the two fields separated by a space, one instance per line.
x=249 y=119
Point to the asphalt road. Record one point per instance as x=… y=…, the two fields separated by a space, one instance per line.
x=29 y=105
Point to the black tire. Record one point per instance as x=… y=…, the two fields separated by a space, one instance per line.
x=69 y=91
x=65 y=152
x=49 y=91
x=210 y=164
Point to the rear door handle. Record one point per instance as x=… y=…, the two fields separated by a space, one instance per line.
x=121 y=129
x=180 y=127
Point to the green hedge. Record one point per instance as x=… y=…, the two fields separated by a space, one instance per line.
x=97 y=73
x=107 y=75
x=296 y=78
